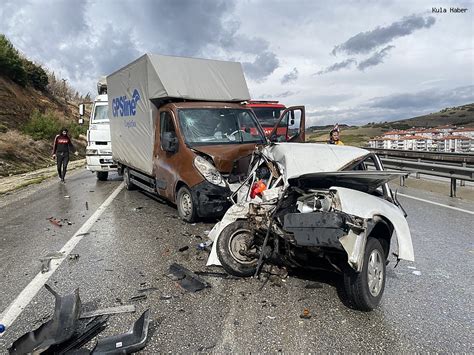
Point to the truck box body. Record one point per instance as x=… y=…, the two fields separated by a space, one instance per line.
x=136 y=91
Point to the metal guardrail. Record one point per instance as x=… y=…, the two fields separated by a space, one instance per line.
x=455 y=166
x=425 y=155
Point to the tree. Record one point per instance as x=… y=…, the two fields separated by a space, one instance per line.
x=11 y=63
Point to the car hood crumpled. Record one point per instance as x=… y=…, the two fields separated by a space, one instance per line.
x=365 y=181
x=299 y=159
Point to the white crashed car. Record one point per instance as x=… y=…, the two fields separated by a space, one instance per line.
x=315 y=206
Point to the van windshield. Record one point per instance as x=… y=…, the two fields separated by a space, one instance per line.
x=219 y=126
x=100 y=114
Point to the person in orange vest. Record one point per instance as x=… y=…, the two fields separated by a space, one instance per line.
x=334 y=136
x=61 y=148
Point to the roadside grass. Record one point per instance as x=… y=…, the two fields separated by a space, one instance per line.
x=29 y=182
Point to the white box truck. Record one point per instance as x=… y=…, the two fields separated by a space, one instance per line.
x=99 y=147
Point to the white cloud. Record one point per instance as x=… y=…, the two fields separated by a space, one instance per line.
x=82 y=40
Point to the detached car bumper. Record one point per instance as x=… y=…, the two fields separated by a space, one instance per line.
x=211 y=200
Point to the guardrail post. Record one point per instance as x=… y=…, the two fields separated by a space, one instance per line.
x=453 y=188
x=417 y=175
x=402 y=180
x=462 y=182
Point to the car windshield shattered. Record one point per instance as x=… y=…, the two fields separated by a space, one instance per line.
x=219 y=126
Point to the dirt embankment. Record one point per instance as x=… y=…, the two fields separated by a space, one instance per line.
x=19 y=153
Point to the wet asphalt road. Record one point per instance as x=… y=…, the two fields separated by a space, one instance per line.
x=427 y=305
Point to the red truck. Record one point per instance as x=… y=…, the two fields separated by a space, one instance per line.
x=269 y=112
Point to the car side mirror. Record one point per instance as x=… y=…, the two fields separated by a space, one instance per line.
x=81 y=110
x=169 y=142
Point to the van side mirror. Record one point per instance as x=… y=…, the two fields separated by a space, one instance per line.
x=169 y=142
x=81 y=110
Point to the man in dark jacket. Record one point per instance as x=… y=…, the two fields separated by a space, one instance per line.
x=61 y=148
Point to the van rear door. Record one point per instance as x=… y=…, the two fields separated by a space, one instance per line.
x=290 y=126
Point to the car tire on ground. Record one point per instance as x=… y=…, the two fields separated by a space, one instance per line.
x=233 y=238
x=102 y=175
x=365 y=289
x=126 y=178
x=186 y=205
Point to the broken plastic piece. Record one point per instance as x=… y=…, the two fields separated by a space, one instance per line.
x=46 y=260
x=129 y=308
x=135 y=339
x=80 y=337
x=138 y=297
x=73 y=256
x=305 y=314
x=186 y=278
x=57 y=330
x=55 y=221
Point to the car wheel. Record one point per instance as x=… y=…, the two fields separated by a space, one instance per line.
x=102 y=175
x=186 y=205
x=126 y=178
x=233 y=240
x=365 y=289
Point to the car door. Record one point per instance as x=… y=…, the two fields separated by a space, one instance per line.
x=290 y=126
x=166 y=161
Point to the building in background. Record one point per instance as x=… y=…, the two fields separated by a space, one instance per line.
x=442 y=139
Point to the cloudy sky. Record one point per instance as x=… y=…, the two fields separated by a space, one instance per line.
x=347 y=61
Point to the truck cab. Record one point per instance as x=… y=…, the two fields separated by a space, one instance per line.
x=291 y=125
x=99 y=147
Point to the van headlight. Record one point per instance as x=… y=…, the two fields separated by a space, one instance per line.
x=209 y=171
x=91 y=151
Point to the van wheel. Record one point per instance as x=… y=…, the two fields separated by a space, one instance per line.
x=365 y=289
x=102 y=175
x=186 y=205
x=126 y=178
x=233 y=242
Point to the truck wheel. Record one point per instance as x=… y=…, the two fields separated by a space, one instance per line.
x=102 y=175
x=234 y=239
x=186 y=206
x=126 y=178
x=364 y=289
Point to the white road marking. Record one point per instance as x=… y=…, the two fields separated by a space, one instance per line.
x=24 y=298
x=436 y=203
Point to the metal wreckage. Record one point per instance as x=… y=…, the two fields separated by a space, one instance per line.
x=314 y=206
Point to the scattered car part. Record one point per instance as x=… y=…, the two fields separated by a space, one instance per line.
x=129 y=308
x=135 y=339
x=80 y=338
x=57 y=330
x=306 y=314
x=138 y=297
x=46 y=260
x=183 y=248
x=55 y=221
x=187 y=279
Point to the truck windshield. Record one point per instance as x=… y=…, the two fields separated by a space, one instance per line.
x=100 y=114
x=268 y=116
x=219 y=126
